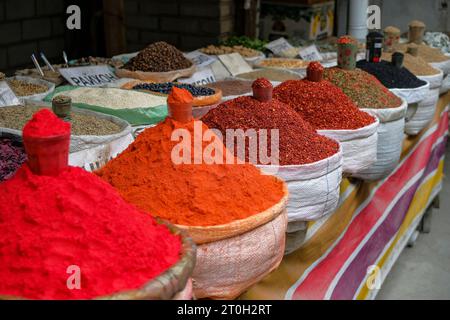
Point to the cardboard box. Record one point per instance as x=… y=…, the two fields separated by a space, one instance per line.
x=287 y=19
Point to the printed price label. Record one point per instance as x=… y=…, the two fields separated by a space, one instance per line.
x=279 y=45
x=7 y=96
x=200 y=78
x=90 y=76
x=234 y=63
x=310 y=53
x=200 y=59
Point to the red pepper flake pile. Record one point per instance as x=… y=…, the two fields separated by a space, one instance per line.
x=346 y=40
x=322 y=104
x=362 y=88
x=261 y=83
x=298 y=141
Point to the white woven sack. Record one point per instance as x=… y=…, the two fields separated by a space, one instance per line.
x=420 y=115
x=390 y=141
x=445 y=84
x=435 y=80
x=413 y=95
x=313 y=187
x=359 y=146
x=226 y=268
x=444 y=65
x=35 y=97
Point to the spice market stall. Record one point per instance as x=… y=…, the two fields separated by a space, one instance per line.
x=370 y=228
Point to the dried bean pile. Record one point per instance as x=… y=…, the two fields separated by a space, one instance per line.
x=298 y=141
x=12 y=155
x=391 y=76
x=82 y=124
x=362 y=88
x=22 y=88
x=322 y=104
x=158 y=57
x=166 y=87
x=233 y=87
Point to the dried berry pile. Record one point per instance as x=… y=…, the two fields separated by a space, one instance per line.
x=391 y=76
x=362 y=88
x=322 y=104
x=12 y=155
x=166 y=87
x=298 y=141
x=158 y=57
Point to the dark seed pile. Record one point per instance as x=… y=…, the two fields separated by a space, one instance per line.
x=166 y=87
x=82 y=124
x=158 y=57
x=12 y=155
x=391 y=76
x=298 y=141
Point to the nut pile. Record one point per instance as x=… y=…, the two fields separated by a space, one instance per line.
x=243 y=51
x=158 y=57
x=82 y=124
x=166 y=87
x=22 y=88
x=283 y=63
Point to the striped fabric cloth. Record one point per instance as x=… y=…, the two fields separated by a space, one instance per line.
x=348 y=254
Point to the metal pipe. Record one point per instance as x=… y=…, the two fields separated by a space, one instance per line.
x=357 y=25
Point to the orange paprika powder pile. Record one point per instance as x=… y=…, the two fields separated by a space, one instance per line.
x=193 y=194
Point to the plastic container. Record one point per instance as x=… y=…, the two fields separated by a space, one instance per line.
x=180 y=112
x=47 y=156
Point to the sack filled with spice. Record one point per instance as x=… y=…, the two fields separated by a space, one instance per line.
x=310 y=164
x=158 y=62
x=334 y=115
x=180 y=171
x=95 y=138
x=62 y=227
x=28 y=88
x=394 y=76
x=137 y=108
x=371 y=96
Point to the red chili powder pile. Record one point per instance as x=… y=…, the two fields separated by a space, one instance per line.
x=298 y=141
x=322 y=104
x=188 y=194
x=48 y=224
x=44 y=124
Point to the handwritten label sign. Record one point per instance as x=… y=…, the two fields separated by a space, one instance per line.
x=90 y=76
x=7 y=96
x=234 y=63
x=279 y=45
x=310 y=53
x=200 y=59
x=200 y=78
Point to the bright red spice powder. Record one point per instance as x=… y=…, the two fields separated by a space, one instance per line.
x=45 y=124
x=50 y=223
x=322 y=104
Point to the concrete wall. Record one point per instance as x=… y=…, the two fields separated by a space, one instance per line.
x=187 y=24
x=435 y=13
x=28 y=26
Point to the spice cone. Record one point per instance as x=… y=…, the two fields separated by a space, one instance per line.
x=180 y=103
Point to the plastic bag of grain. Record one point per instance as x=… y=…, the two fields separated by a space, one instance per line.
x=444 y=65
x=37 y=96
x=390 y=141
x=233 y=257
x=419 y=115
x=359 y=146
x=137 y=108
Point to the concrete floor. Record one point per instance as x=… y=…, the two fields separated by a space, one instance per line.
x=423 y=271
